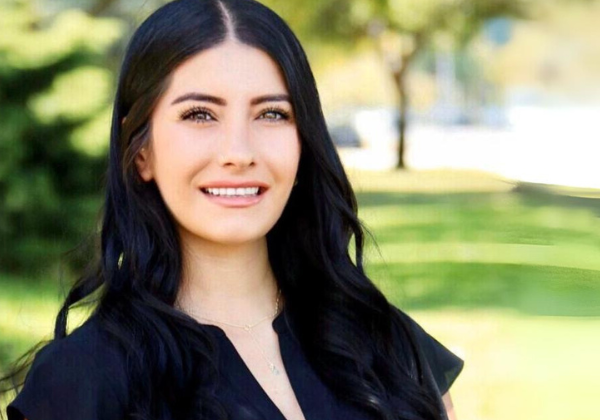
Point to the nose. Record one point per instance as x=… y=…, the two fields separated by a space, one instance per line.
x=235 y=146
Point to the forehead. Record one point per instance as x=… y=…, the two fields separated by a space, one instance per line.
x=229 y=68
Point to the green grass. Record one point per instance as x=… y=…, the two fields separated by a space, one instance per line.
x=505 y=275
x=28 y=307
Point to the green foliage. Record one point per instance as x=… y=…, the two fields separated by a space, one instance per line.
x=73 y=96
x=55 y=92
x=347 y=21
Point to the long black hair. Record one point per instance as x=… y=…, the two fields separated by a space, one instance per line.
x=344 y=323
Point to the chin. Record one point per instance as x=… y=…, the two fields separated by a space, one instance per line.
x=232 y=236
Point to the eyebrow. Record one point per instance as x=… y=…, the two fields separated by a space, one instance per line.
x=196 y=96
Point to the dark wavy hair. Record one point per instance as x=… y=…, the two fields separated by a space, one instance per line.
x=344 y=323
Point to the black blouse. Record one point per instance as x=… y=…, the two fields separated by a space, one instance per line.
x=80 y=377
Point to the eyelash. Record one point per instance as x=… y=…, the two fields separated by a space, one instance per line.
x=284 y=115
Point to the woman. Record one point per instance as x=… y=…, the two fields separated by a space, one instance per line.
x=226 y=289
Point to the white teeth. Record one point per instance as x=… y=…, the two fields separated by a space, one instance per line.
x=233 y=192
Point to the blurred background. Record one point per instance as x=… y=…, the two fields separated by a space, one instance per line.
x=469 y=129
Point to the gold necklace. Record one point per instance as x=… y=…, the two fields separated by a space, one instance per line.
x=248 y=329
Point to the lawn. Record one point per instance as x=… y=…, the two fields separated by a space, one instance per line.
x=506 y=275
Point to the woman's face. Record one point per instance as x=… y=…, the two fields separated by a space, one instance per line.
x=224 y=129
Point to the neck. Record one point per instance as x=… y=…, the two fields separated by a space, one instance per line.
x=230 y=283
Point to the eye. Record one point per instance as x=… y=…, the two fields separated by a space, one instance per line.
x=197 y=114
x=275 y=114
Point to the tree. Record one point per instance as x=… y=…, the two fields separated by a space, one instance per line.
x=411 y=26
x=399 y=29
x=55 y=98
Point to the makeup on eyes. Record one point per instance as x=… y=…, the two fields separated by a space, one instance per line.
x=200 y=110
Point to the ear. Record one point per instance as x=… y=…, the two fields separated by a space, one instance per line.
x=143 y=164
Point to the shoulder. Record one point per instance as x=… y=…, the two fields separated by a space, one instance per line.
x=442 y=364
x=89 y=348
x=79 y=376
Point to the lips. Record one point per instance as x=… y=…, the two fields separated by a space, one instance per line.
x=234 y=200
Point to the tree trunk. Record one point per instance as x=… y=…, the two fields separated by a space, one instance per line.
x=402 y=123
x=399 y=78
x=399 y=70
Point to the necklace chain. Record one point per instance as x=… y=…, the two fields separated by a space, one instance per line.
x=248 y=329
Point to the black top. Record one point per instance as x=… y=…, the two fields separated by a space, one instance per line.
x=80 y=377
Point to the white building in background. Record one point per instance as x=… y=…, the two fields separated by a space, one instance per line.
x=557 y=145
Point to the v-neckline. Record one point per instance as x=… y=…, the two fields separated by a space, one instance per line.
x=242 y=378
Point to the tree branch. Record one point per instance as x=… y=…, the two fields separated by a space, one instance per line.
x=101 y=6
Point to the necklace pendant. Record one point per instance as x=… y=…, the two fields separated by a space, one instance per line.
x=247 y=327
x=274 y=369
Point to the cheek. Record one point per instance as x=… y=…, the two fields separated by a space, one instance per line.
x=283 y=153
x=179 y=152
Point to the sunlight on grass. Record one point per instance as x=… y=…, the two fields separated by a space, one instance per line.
x=519 y=367
x=27 y=314
x=579 y=256
x=430 y=182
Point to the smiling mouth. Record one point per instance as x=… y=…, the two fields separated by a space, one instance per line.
x=234 y=192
